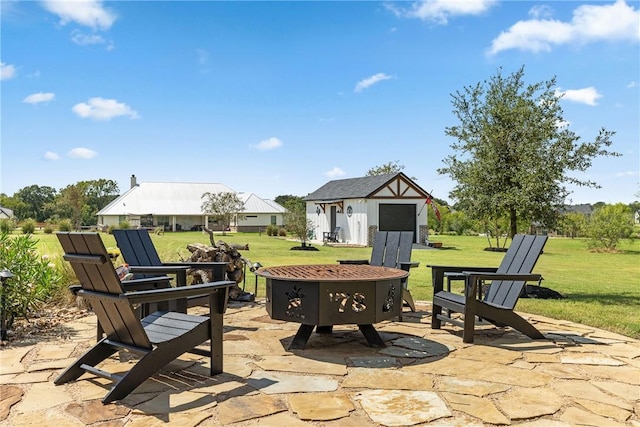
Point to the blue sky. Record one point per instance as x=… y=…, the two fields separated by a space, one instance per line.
x=278 y=98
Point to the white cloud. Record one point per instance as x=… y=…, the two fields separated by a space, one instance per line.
x=89 y=13
x=632 y=84
x=82 y=39
x=50 y=155
x=612 y=22
x=335 y=172
x=370 y=81
x=103 y=109
x=588 y=95
x=540 y=11
x=7 y=71
x=269 y=144
x=82 y=153
x=36 y=98
x=439 y=11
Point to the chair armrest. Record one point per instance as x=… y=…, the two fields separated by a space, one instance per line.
x=164 y=269
x=460 y=269
x=524 y=277
x=167 y=294
x=196 y=264
x=472 y=278
x=406 y=265
x=218 y=268
x=179 y=271
x=144 y=283
x=354 y=261
x=438 y=273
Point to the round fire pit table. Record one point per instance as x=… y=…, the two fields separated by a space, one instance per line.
x=320 y=296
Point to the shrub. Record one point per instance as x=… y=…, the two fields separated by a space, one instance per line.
x=6 y=226
x=28 y=226
x=272 y=230
x=282 y=232
x=124 y=225
x=608 y=225
x=34 y=278
x=48 y=228
x=65 y=225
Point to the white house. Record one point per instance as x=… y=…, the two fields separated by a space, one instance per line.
x=177 y=206
x=363 y=206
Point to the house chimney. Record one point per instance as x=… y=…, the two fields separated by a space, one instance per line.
x=134 y=181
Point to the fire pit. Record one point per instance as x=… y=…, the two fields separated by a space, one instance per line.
x=321 y=296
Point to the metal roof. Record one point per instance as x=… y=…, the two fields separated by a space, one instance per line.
x=254 y=204
x=177 y=198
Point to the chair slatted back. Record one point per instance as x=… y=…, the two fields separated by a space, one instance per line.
x=391 y=248
x=521 y=257
x=136 y=247
x=99 y=281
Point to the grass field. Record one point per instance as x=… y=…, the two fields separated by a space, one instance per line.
x=602 y=289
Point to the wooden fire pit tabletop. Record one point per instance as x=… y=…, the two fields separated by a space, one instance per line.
x=331 y=272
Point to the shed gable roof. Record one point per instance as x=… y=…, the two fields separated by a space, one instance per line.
x=396 y=185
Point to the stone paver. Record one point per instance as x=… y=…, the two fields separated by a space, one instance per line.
x=321 y=406
x=478 y=407
x=401 y=408
x=579 y=375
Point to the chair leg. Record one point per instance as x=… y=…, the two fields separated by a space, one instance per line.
x=406 y=297
x=436 y=312
x=155 y=360
x=96 y=354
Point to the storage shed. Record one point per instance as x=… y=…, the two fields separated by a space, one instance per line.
x=363 y=206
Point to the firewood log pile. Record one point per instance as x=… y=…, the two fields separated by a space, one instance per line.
x=220 y=251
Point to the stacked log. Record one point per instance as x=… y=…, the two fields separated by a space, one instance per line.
x=219 y=252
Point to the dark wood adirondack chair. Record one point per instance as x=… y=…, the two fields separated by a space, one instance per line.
x=331 y=236
x=392 y=249
x=160 y=337
x=498 y=302
x=139 y=252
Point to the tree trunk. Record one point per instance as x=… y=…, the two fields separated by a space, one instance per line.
x=513 y=222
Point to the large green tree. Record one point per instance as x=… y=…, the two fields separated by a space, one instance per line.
x=514 y=153
x=35 y=202
x=72 y=203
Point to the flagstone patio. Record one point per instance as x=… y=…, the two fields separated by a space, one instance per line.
x=578 y=376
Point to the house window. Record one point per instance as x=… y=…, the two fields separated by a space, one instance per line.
x=273 y=219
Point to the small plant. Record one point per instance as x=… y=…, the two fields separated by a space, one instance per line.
x=282 y=232
x=34 y=277
x=124 y=225
x=6 y=226
x=65 y=225
x=272 y=230
x=48 y=228
x=28 y=226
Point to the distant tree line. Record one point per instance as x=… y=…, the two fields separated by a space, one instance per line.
x=78 y=203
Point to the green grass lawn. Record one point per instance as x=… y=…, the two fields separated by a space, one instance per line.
x=602 y=289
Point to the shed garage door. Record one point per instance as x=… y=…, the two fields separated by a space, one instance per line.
x=396 y=217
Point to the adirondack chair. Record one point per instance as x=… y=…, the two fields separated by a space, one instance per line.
x=392 y=249
x=331 y=236
x=160 y=337
x=139 y=252
x=498 y=302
